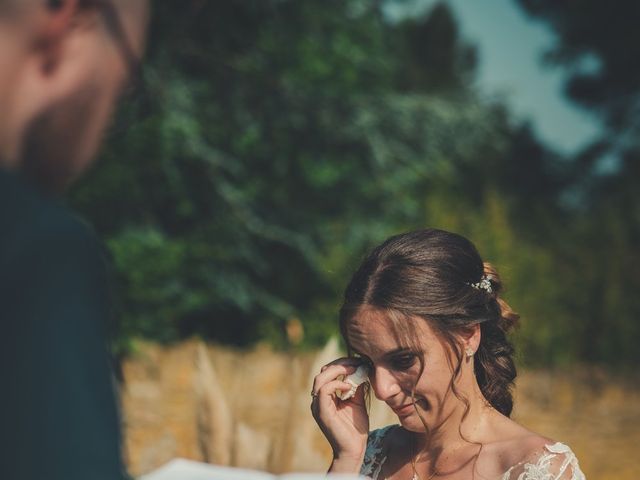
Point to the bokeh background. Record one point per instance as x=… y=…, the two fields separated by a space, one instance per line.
x=271 y=143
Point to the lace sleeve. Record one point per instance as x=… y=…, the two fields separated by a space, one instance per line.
x=555 y=462
x=374 y=456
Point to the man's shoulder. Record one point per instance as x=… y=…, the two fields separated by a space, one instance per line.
x=32 y=225
x=25 y=213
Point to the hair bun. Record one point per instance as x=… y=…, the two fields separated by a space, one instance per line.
x=508 y=317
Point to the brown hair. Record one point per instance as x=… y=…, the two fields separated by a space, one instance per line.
x=430 y=274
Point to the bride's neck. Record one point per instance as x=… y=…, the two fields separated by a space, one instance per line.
x=463 y=426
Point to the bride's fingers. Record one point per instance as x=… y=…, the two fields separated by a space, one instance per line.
x=331 y=373
x=358 y=397
x=329 y=389
x=326 y=395
x=343 y=361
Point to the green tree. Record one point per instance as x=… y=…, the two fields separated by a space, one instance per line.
x=284 y=138
x=597 y=46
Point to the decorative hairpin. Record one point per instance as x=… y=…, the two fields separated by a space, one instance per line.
x=483 y=284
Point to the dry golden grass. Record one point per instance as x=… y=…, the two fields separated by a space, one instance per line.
x=251 y=409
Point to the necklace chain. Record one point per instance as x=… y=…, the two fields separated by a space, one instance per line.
x=414 y=454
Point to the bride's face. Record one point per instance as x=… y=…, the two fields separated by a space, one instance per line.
x=395 y=371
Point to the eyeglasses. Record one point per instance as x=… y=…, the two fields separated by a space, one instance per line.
x=115 y=27
x=137 y=86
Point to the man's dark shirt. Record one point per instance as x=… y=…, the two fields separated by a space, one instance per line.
x=58 y=415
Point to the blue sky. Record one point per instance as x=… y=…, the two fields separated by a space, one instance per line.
x=510 y=47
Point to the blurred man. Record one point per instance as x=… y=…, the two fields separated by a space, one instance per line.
x=62 y=65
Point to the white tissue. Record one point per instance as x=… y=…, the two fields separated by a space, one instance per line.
x=356 y=379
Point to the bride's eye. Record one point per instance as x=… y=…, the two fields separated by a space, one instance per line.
x=365 y=361
x=404 y=361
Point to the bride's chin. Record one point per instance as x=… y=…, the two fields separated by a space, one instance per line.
x=415 y=420
x=412 y=423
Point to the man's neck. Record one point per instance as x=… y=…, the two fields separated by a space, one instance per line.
x=9 y=160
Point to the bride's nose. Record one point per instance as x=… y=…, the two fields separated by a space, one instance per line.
x=383 y=383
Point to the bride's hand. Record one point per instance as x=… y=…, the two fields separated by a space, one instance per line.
x=345 y=423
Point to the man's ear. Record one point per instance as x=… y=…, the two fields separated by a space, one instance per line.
x=63 y=59
x=62 y=54
x=57 y=21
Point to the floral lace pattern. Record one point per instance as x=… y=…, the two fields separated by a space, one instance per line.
x=554 y=462
x=374 y=455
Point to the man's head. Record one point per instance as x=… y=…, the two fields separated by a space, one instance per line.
x=63 y=64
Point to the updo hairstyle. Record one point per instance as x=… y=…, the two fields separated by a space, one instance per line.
x=436 y=275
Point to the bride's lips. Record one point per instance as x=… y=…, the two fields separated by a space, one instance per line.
x=409 y=408
x=403 y=410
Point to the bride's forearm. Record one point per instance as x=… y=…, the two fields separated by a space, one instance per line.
x=345 y=465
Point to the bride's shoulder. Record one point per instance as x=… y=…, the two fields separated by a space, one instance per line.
x=518 y=447
x=534 y=454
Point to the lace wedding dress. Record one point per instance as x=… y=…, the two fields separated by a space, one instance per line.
x=553 y=462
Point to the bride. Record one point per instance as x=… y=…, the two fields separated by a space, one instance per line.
x=424 y=315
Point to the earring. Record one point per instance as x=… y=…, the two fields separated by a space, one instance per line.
x=469 y=351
